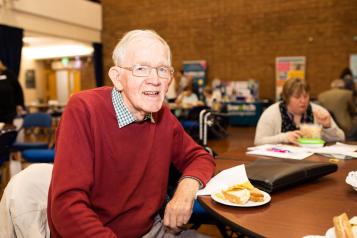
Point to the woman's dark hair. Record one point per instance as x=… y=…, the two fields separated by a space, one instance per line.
x=346 y=71
x=292 y=86
x=347 y=77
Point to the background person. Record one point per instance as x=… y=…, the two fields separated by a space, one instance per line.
x=171 y=94
x=182 y=81
x=339 y=101
x=24 y=203
x=11 y=95
x=113 y=182
x=188 y=99
x=347 y=76
x=208 y=95
x=280 y=122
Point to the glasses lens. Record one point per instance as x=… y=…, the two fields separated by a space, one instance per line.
x=141 y=70
x=164 y=71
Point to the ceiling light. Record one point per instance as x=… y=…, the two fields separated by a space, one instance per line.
x=56 y=51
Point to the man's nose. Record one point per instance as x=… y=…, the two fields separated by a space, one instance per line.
x=154 y=76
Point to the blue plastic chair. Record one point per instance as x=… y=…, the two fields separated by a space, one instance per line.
x=39 y=155
x=31 y=122
x=190 y=122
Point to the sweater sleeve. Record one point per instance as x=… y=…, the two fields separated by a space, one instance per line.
x=268 y=128
x=190 y=158
x=72 y=179
x=333 y=133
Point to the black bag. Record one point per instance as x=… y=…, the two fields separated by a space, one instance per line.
x=271 y=175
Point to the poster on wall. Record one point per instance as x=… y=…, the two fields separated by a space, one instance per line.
x=287 y=68
x=197 y=69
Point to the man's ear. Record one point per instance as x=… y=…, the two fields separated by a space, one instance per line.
x=114 y=73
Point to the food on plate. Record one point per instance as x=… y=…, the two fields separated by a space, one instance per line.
x=256 y=195
x=242 y=193
x=238 y=196
x=245 y=185
x=343 y=228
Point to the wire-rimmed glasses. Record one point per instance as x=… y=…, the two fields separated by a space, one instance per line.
x=139 y=70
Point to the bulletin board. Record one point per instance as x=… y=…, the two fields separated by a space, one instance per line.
x=287 y=68
x=197 y=69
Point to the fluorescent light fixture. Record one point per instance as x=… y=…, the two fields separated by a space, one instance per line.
x=56 y=51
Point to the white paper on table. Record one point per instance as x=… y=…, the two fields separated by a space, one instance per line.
x=335 y=156
x=225 y=179
x=350 y=147
x=339 y=151
x=280 y=151
x=262 y=147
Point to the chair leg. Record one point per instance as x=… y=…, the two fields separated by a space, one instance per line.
x=227 y=232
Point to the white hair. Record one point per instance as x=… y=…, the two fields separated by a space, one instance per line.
x=130 y=37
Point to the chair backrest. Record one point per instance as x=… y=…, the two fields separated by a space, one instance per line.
x=39 y=119
x=38 y=127
x=194 y=112
x=7 y=138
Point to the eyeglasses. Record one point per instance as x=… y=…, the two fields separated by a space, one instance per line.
x=139 y=70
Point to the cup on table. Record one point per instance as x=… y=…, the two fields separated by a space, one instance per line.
x=310 y=131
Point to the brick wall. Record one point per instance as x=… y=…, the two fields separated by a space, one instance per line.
x=240 y=39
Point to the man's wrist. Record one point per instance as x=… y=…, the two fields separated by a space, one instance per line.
x=200 y=185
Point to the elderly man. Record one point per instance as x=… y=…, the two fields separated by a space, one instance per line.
x=114 y=149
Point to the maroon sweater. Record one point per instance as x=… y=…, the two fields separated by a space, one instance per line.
x=109 y=181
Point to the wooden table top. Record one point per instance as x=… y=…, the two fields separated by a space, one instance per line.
x=306 y=209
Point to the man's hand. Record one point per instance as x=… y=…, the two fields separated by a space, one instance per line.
x=178 y=211
x=293 y=136
x=323 y=118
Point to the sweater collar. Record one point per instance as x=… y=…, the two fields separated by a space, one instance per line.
x=122 y=112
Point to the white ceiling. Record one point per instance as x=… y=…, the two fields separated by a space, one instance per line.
x=46 y=47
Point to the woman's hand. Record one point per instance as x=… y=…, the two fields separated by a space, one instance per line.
x=323 y=118
x=293 y=136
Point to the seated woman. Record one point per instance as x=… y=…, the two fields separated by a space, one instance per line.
x=188 y=99
x=280 y=122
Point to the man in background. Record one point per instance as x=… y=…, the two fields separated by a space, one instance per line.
x=339 y=101
x=11 y=95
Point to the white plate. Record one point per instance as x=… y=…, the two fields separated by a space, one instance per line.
x=267 y=199
x=351 y=179
x=330 y=233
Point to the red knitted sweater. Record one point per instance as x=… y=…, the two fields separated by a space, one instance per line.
x=109 y=181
